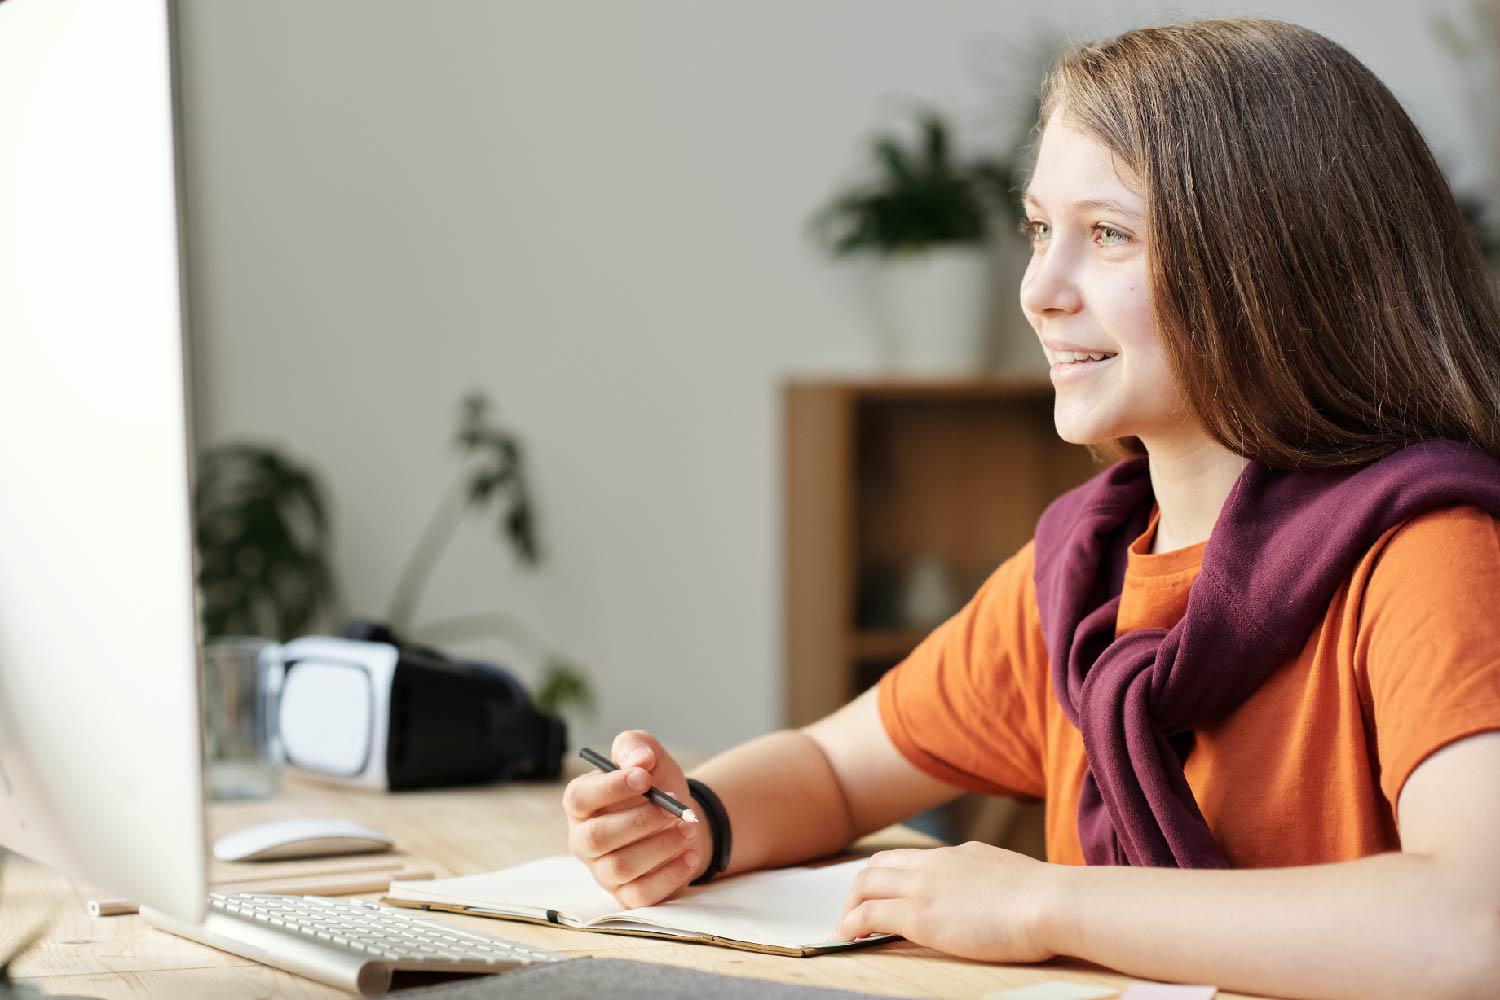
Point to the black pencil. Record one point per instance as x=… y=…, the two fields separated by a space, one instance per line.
x=656 y=795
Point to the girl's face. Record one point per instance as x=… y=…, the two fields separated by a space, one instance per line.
x=1086 y=293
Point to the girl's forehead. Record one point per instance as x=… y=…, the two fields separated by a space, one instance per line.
x=1073 y=166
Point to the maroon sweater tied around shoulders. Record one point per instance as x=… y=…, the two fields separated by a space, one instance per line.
x=1283 y=544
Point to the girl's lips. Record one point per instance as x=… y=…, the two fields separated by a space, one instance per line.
x=1070 y=371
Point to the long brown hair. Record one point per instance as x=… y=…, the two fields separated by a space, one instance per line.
x=1319 y=294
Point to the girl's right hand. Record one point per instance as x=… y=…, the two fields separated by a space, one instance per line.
x=636 y=850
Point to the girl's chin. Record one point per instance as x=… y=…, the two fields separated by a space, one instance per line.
x=1087 y=439
x=1087 y=431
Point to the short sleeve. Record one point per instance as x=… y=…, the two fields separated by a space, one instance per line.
x=1429 y=639
x=967 y=705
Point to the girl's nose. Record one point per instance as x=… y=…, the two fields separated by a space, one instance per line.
x=1049 y=287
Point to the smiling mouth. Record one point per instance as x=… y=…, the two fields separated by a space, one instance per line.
x=1068 y=358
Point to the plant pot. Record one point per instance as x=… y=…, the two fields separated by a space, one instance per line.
x=929 y=310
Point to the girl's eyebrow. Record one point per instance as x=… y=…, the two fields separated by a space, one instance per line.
x=1092 y=204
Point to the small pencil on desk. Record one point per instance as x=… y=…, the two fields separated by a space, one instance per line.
x=655 y=794
x=111 y=907
x=335 y=884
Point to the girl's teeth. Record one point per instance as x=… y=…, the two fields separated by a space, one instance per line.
x=1069 y=357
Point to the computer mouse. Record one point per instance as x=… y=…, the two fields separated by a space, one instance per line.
x=300 y=838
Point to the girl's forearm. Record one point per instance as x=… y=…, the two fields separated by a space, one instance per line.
x=1391 y=925
x=783 y=798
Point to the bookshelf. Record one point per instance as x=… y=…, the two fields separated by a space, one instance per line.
x=881 y=472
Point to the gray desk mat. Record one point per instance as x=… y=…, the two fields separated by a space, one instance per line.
x=620 y=979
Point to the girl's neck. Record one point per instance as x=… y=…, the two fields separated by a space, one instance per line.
x=1191 y=480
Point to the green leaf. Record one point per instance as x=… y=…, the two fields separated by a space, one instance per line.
x=521 y=529
x=563 y=685
x=895 y=161
x=936 y=142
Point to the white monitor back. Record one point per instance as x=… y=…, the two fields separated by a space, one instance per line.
x=100 y=751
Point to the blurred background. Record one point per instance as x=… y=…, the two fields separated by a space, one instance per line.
x=571 y=333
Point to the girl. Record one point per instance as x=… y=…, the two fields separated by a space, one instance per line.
x=1252 y=667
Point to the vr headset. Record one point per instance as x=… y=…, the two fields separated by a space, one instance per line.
x=369 y=710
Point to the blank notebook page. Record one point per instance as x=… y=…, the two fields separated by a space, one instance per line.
x=790 y=907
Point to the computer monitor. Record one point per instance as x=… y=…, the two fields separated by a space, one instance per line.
x=100 y=747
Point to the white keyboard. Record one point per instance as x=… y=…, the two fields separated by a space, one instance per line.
x=352 y=944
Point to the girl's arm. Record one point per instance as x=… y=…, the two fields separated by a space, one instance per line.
x=806 y=793
x=1421 y=923
x=791 y=796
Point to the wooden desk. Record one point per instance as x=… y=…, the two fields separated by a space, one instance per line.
x=460 y=831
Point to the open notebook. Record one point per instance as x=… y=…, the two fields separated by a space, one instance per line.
x=789 y=911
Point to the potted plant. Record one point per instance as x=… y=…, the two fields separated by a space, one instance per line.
x=263 y=540
x=491 y=480
x=925 y=221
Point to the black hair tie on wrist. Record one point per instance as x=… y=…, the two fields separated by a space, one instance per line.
x=718 y=827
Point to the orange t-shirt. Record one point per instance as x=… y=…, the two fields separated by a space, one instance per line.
x=1308 y=769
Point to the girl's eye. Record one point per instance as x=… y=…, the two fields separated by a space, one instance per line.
x=1033 y=230
x=1115 y=235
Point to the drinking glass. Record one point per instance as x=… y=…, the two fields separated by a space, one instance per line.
x=239 y=759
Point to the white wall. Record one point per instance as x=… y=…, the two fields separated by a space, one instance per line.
x=595 y=211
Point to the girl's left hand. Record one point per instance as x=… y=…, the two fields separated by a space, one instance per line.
x=974 y=901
